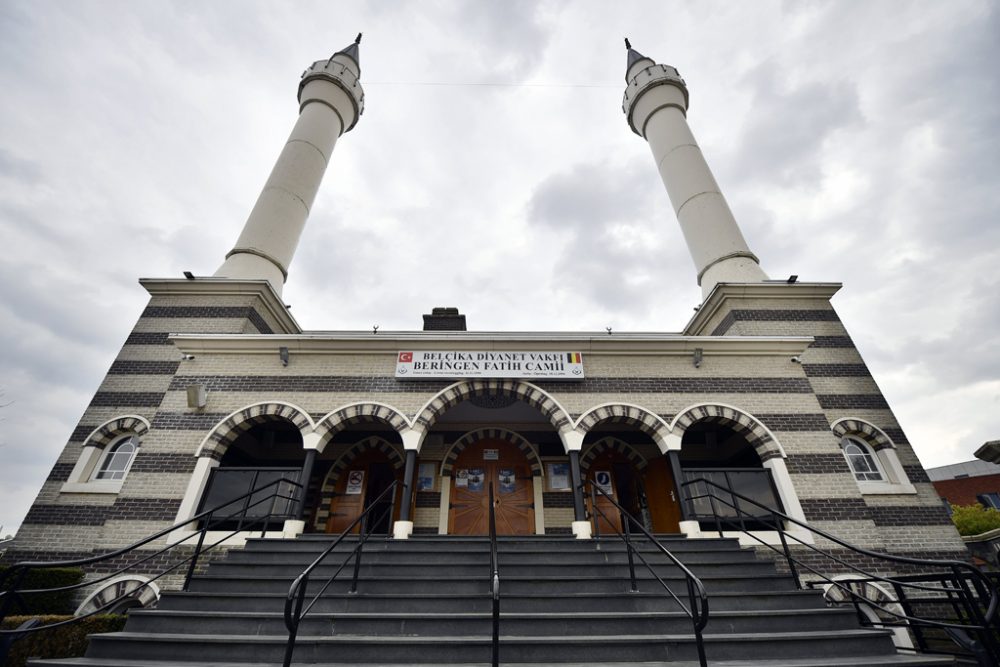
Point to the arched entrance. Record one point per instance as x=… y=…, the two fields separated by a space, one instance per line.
x=359 y=484
x=644 y=489
x=507 y=467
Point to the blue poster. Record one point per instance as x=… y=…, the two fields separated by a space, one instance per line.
x=476 y=479
x=507 y=480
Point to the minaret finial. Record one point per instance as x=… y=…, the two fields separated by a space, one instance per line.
x=357 y=40
x=628 y=45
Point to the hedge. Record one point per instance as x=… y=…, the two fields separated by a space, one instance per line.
x=974 y=519
x=52 y=577
x=67 y=641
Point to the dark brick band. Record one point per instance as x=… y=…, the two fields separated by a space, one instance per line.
x=792 y=422
x=832 y=341
x=163 y=462
x=320 y=383
x=816 y=463
x=129 y=367
x=128 y=509
x=127 y=399
x=186 y=421
x=755 y=315
x=147 y=338
x=836 y=509
x=916 y=474
x=81 y=432
x=912 y=515
x=60 y=472
x=428 y=499
x=852 y=402
x=897 y=435
x=836 y=370
x=557 y=499
x=258 y=321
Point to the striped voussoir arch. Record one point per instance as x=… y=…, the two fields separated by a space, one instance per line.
x=491 y=434
x=521 y=391
x=870 y=433
x=329 y=486
x=111 y=429
x=226 y=433
x=739 y=421
x=612 y=445
x=339 y=419
x=621 y=413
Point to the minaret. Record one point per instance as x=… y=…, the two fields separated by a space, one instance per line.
x=656 y=103
x=330 y=101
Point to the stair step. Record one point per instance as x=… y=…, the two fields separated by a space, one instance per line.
x=449 y=649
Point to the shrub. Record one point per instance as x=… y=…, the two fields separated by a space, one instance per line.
x=974 y=519
x=67 y=641
x=60 y=602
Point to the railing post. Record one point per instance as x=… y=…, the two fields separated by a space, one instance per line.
x=362 y=536
x=296 y=617
x=197 y=552
x=715 y=512
x=788 y=554
x=576 y=481
x=628 y=548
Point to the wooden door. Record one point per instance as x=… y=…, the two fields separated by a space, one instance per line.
x=360 y=482
x=505 y=465
x=612 y=472
x=664 y=508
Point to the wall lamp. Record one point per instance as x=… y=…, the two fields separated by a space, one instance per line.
x=699 y=354
x=283 y=353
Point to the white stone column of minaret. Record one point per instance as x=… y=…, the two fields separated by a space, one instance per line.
x=330 y=101
x=656 y=103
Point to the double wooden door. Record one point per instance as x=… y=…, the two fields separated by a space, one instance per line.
x=648 y=496
x=507 y=467
x=359 y=486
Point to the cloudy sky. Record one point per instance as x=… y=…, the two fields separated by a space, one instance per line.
x=493 y=170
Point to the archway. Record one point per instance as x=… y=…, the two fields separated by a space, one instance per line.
x=360 y=479
x=504 y=465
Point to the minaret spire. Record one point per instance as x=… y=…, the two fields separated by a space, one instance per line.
x=330 y=102
x=656 y=104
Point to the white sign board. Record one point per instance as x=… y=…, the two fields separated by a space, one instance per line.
x=451 y=364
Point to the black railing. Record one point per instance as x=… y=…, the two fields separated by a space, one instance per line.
x=295 y=606
x=697 y=605
x=494 y=579
x=273 y=493
x=960 y=602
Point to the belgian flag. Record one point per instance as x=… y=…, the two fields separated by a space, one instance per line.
x=574 y=358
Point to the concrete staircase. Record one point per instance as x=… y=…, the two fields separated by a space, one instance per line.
x=425 y=601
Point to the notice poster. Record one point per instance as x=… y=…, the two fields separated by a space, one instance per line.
x=602 y=478
x=507 y=480
x=491 y=454
x=558 y=476
x=462 y=477
x=476 y=479
x=425 y=477
x=355 y=481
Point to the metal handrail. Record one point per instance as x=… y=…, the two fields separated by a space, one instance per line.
x=494 y=579
x=697 y=607
x=295 y=600
x=10 y=594
x=970 y=594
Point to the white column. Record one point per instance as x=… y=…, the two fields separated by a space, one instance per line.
x=656 y=103
x=331 y=100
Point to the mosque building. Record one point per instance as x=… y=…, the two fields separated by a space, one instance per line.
x=217 y=389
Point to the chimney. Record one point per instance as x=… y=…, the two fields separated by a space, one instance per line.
x=444 y=319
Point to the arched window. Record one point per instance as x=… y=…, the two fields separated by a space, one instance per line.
x=863 y=462
x=117 y=458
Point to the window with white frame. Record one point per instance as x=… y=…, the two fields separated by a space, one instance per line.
x=116 y=459
x=864 y=464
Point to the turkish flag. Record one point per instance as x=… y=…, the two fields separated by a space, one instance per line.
x=405 y=357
